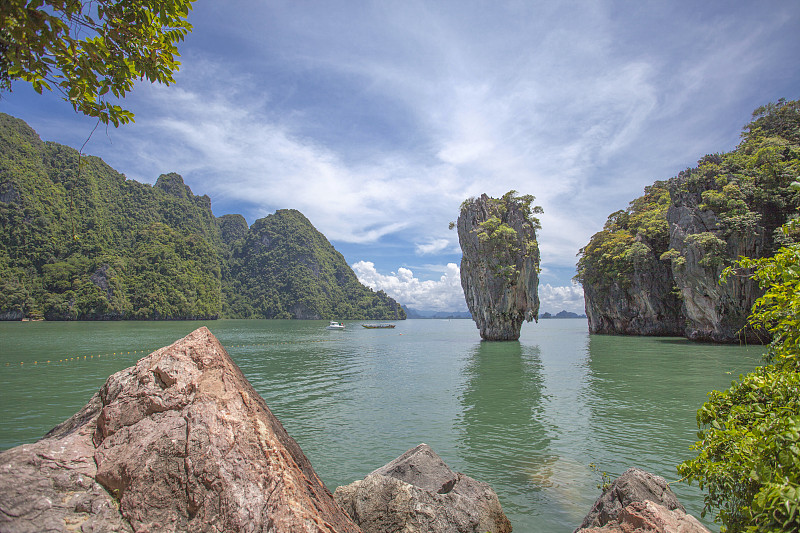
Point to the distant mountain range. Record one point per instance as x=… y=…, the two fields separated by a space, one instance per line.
x=562 y=314
x=416 y=313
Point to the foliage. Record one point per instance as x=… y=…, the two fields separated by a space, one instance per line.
x=781 y=118
x=712 y=247
x=88 y=49
x=502 y=244
x=749 y=447
x=308 y=277
x=628 y=238
x=94 y=245
x=606 y=479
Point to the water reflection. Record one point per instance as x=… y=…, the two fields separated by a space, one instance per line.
x=501 y=428
x=643 y=395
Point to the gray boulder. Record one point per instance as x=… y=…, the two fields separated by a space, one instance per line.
x=418 y=492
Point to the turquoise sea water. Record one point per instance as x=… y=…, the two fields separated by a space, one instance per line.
x=527 y=417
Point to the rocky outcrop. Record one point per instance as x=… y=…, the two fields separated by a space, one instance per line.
x=650 y=517
x=418 y=493
x=634 y=485
x=731 y=205
x=638 y=501
x=179 y=442
x=500 y=264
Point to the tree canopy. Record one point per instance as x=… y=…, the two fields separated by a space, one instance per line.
x=90 y=50
x=748 y=454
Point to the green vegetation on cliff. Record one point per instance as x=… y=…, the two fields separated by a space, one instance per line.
x=91 y=244
x=500 y=239
x=687 y=230
x=749 y=457
x=307 y=277
x=627 y=237
x=747 y=189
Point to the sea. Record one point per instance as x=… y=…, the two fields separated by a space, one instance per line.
x=543 y=420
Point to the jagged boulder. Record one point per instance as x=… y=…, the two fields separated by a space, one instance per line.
x=500 y=263
x=179 y=442
x=650 y=517
x=637 y=498
x=419 y=493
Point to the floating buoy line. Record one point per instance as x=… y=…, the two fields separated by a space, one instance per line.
x=134 y=352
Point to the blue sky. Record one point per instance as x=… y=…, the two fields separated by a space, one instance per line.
x=377 y=119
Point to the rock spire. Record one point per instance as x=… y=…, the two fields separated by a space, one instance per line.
x=500 y=263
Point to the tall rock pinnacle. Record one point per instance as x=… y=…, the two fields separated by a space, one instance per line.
x=500 y=263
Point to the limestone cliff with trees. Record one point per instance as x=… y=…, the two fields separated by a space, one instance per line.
x=500 y=263
x=655 y=267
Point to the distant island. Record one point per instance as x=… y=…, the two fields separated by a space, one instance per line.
x=562 y=314
x=420 y=314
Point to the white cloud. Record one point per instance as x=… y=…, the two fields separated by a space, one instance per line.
x=444 y=294
x=565 y=298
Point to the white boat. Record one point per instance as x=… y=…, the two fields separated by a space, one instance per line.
x=335 y=325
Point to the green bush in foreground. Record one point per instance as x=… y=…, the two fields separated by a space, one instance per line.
x=749 y=447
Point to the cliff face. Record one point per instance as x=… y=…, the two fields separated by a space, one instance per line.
x=655 y=268
x=500 y=264
x=715 y=311
x=628 y=290
x=642 y=304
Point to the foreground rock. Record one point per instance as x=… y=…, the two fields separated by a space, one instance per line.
x=638 y=501
x=500 y=263
x=179 y=442
x=417 y=492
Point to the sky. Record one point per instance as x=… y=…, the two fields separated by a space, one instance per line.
x=376 y=119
